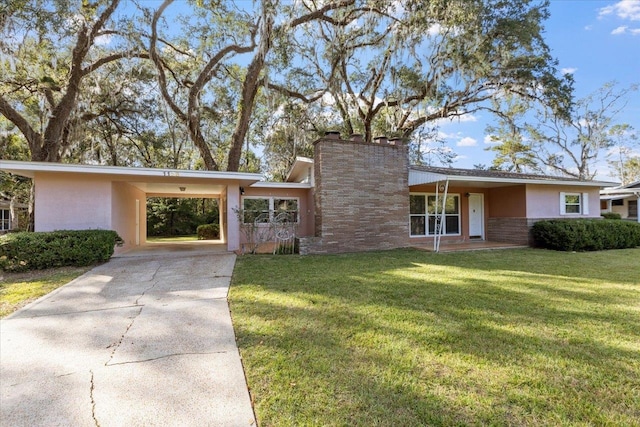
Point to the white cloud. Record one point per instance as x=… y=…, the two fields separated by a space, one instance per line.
x=492 y=140
x=569 y=70
x=620 y=30
x=635 y=32
x=625 y=9
x=467 y=142
x=588 y=27
x=434 y=30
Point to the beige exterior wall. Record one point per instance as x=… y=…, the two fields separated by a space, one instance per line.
x=123 y=214
x=72 y=202
x=232 y=228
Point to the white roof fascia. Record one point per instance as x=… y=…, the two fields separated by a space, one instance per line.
x=618 y=196
x=620 y=191
x=530 y=181
x=299 y=160
x=417 y=177
x=423 y=177
x=30 y=168
x=266 y=184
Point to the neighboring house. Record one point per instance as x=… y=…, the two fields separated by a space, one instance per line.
x=8 y=219
x=353 y=196
x=623 y=200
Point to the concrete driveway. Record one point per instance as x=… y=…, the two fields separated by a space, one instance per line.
x=143 y=340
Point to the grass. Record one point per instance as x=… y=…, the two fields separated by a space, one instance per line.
x=188 y=238
x=19 y=289
x=409 y=338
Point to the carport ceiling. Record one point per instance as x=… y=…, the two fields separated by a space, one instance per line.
x=175 y=189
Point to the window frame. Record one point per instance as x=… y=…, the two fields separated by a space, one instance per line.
x=583 y=203
x=271 y=206
x=428 y=215
x=5 y=218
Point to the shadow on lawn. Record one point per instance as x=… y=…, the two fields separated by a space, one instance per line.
x=375 y=338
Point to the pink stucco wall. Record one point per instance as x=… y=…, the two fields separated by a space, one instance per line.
x=71 y=202
x=123 y=214
x=543 y=201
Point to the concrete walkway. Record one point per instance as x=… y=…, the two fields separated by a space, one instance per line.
x=143 y=340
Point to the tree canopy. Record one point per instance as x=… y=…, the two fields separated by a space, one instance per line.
x=233 y=85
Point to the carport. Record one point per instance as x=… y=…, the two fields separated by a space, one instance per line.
x=77 y=197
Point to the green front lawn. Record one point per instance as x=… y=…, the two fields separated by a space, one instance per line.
x=409 y=338
x=19 y=289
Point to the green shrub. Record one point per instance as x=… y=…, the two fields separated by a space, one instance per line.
x=586 y=234
x=208 y=231
x=36 y=251
x=611 y=215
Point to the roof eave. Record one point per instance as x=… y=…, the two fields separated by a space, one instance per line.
x=29 y=169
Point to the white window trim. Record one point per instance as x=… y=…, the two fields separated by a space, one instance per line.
x=4 y=218
x=426 y=215
x=272 y=205
x=583 y=204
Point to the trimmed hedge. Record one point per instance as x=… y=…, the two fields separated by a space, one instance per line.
x=36 y=251
x=611 y=215
x=586 y=234
x=208 y=231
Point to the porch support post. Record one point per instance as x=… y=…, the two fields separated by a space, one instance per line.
x=435 y=229
x=233 y=226
x=442 y=214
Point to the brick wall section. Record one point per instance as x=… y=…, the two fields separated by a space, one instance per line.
x=361 y=197
x=511 y=230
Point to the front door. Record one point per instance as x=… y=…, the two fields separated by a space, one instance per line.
x=476 y=216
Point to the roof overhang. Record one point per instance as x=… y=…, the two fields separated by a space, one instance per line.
x=292 y=185
x=299 y=167
x=418 y=177
x=153 y=181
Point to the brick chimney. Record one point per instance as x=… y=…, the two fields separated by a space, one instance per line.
x=361 y=196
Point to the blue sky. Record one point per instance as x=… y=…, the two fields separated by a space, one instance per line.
x=597 y=41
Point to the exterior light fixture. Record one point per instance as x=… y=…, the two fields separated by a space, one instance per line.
x=183 y=188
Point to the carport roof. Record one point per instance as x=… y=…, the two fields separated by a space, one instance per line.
x=29 y=169
x=150 y=180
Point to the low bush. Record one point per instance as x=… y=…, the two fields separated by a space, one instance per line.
x=611 y=215
x=586 y=234
x=208 y=231
x=36 y=251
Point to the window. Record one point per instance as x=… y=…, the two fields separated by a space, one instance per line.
x=265 y=209
x=574 y=203
x=4 y=219
x=423 y=210
x=617 y=202
x=633 y=209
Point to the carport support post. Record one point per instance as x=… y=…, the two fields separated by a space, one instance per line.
x=233 y=226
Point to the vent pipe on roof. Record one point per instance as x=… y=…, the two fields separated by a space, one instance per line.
x=356 y=137
x=380 y=140
x=332 y=134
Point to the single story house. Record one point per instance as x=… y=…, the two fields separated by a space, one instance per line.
x=352 y=196
x=623 y=199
